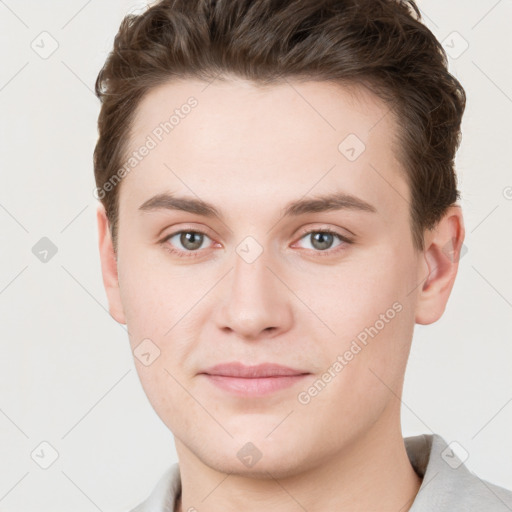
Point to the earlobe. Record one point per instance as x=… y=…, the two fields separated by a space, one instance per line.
x=109 y=266
x=441 y=256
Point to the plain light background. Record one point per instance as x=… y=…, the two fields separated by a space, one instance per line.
x=67 y=375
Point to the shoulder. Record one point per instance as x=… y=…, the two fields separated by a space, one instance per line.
x=448 y=484
x=164 y=494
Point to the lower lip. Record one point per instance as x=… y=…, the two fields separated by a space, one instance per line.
x=254 y=386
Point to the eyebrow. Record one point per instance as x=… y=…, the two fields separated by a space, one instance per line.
x=322 y=203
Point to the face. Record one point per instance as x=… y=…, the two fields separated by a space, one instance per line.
x=269 y=271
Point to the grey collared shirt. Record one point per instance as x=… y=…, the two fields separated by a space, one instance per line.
x=447 y=485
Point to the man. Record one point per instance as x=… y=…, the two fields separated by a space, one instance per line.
x=278 y=210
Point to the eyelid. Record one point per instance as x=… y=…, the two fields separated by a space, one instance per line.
x=203 y=230
x=326 y=229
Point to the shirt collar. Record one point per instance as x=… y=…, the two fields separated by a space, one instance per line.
x=447 y=484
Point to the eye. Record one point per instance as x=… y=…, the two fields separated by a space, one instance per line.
x=321 y=240
x=190 y=240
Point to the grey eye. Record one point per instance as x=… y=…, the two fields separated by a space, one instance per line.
x=189 y=240
x=321 y=240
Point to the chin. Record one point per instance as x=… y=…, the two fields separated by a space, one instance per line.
x=268 y=467
x=256 y=457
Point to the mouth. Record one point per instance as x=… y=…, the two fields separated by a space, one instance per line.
x=256 y=380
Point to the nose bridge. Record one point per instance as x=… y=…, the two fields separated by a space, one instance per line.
x=251 y=277
x=255 y=299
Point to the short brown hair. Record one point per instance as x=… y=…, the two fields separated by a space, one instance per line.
x=381 y=44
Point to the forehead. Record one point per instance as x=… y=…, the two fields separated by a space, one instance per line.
x=277 y=141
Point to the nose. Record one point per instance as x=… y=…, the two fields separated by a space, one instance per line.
x=254 y=302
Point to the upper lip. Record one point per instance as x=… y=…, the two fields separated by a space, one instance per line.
x=236 y=369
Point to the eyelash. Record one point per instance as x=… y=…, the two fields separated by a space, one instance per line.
x=195 y=254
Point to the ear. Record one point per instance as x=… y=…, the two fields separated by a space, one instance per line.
x=440 y=262
x=109 y=266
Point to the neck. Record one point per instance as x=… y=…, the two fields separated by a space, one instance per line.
x=373 y=473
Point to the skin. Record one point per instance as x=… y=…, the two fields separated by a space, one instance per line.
x=250 y=151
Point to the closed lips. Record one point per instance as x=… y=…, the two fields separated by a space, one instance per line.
x=264 y=370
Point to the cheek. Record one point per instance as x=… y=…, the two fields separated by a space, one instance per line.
x=371 y=312
x=355 y=294
x=169 y=399
x=151 y=297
